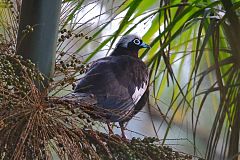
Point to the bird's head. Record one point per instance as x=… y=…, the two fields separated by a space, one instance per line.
x=129 y=45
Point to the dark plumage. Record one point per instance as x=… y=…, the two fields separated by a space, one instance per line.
x=119 y=82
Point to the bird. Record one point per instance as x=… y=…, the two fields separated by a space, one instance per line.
x=117 y=84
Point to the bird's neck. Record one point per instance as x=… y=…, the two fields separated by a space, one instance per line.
x=119 y=51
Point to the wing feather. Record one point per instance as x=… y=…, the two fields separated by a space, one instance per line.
x=118 y=82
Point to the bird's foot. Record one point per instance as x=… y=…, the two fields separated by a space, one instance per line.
x=123 y=133
x=110 y=131
x=122 y=127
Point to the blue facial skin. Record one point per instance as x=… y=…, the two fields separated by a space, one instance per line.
x=135 y=47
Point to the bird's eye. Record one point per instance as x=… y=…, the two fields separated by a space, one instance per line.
x=137 y=41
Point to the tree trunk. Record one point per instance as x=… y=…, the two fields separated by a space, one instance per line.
x=37 y=33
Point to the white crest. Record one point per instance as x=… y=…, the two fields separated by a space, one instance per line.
x=123 y=42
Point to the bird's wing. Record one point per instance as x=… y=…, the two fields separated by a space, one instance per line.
x=117 y=82
x=138 y=107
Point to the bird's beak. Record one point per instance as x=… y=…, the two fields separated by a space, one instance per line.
x=144 y=45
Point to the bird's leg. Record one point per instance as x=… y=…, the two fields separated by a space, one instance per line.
x=121 y=124
x=110 y=131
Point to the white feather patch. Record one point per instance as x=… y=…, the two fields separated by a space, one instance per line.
x=139 y=93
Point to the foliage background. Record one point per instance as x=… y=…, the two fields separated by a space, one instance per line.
x=194 y=62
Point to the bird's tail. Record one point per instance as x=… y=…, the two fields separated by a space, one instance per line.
x=80 y=98
x=83 y=102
